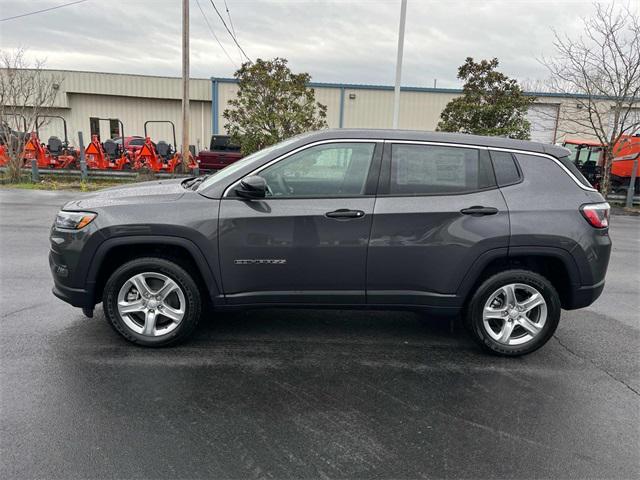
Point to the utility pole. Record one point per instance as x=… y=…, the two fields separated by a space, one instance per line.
x=632 y=183
x=185 y=85
x=396 y=95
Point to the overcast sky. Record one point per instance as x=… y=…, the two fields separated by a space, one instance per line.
x=335 y=41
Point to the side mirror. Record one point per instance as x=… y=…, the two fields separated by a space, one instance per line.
x=252 y=187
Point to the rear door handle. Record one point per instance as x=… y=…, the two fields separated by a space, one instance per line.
x=478 y=210
x=345 y=213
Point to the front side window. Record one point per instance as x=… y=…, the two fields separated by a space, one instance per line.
x=433 y=170
x=329 y=170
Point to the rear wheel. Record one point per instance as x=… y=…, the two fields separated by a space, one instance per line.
x=152 y=302
x=514 y=313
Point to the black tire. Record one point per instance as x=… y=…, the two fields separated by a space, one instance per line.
x=175 y=272
x=474 y=318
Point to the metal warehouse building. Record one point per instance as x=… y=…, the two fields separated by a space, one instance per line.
x=85 y=96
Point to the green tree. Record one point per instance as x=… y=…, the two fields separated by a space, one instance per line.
x=491 y=103
x=272 y=104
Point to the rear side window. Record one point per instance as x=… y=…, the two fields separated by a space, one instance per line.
x=505 y=167
x=566 y=161
x=433 y=170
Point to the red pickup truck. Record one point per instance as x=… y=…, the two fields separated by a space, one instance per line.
x=220 y=154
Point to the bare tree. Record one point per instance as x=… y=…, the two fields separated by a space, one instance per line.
x=603 y=68
x=26 y=90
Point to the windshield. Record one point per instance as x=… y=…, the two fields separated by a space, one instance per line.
x=235 y=166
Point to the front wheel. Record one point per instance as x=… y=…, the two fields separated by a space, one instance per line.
x=152 y=302
x=514 y=313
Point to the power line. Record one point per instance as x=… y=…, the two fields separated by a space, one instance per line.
x=41 y=11
x=214 y=33
x=229 y=31
x=230 y=21
x=232 y=27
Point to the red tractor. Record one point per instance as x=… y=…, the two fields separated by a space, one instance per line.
x=109 y=155
x=160 y=157
x=55 y=154
x=588 y=155
x=4 y=155
x=34 y=149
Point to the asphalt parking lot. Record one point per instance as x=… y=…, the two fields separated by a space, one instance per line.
x=301 y=394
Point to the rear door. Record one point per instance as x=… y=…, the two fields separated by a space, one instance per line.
x=438 y=210
x=306 y=242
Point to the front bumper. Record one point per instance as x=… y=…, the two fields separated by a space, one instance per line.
x=78 y=297
x=74 y=296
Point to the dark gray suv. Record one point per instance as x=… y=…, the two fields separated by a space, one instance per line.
x=505 y=232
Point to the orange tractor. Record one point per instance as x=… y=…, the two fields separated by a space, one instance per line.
x=55 y=154
x=107 y=155
x=161 y=156
x=588 y=155
x=4 y=155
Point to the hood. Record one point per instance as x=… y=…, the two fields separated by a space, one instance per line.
x=156 y=191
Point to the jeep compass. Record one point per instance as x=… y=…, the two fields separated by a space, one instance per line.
x=504 y=233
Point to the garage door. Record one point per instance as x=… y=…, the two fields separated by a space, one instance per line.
x=544 y=119
x=632 y=124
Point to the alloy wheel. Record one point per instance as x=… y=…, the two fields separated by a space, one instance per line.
x=514 y=314
x=151 y=304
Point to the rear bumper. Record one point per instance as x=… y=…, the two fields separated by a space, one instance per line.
x=584 y=296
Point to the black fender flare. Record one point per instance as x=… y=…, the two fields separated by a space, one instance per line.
x=565 y=256
x=507 y=253
x=200 y=260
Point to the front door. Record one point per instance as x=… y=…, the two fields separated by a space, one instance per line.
x=306 y=242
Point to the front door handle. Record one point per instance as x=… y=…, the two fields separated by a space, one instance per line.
x=478 y=210
x=345 y=213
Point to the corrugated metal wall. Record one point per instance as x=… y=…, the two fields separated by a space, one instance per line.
x=133 y=112
x=363 y=108
x=374 y=108
x=132 y=85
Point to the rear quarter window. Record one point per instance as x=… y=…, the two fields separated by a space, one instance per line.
x=571 y=166
x=506 y=168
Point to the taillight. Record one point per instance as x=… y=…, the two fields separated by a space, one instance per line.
x=597 y=214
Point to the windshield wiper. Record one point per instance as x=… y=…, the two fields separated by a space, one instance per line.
x=193 y=184
x=186 y=183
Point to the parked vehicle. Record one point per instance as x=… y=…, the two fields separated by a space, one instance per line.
x=588 y=157
x=160 y=156
x=110 y=154
x=626 y=153
x=132 y=143
x=221 y=153
x=55 y=153
x=506 y=232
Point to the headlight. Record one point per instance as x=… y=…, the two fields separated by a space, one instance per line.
x=74 y=220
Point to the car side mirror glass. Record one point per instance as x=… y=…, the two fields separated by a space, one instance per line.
x=252 y=187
